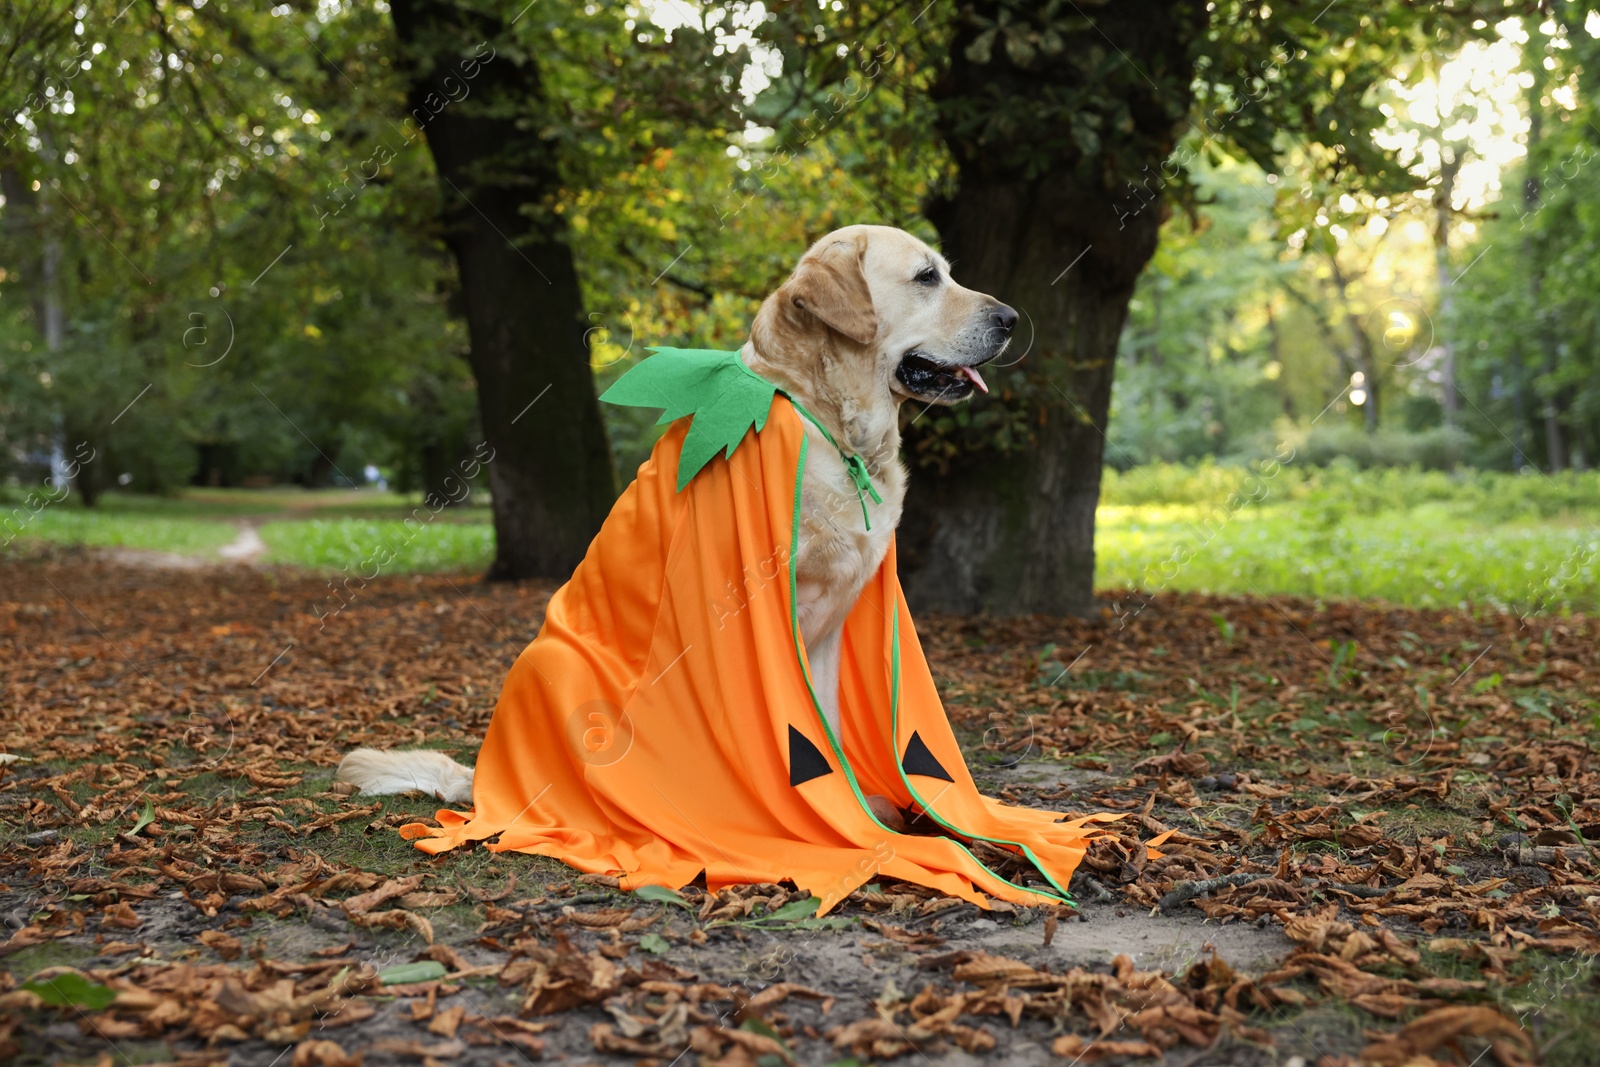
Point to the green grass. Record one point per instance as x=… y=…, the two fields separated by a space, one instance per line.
x=1488 y=495
x=1422 y=557
x=1423 y=539
x=443 y=544
x=114 y=524
x=321 y=528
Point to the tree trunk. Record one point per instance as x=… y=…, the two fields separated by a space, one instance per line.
x=550 y=473
x=1011 y=531
x=1276 y=333
x=437 y=464
x=1544 y=328
x=1443 y=193
x=29 y=220
x=1014 y=533
x=93 y=478
x=1519 y=409
x=1555 y=450
x=1366 y=360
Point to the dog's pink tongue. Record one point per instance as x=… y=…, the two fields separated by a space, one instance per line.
x=977 y=379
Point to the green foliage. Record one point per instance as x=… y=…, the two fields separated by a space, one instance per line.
x=239 y=230
x=1193 y=371
x=660 y=894
x=406 y=973
x=1527 y=327
x=71 y=991
x=1311 y=70
x=1206 y=482
x=1440 y=449
x=169 y=192
x=1524 y=320
x=1492 y=495
x=145 y=818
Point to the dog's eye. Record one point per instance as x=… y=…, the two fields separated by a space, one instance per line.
x=928 y=276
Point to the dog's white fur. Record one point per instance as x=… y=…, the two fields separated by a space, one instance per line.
x=833 y=336
x=419 y=771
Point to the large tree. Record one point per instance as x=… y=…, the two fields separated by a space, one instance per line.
x=481 y=101
x=1071 y=127
x=1525 y=315
x=541 y=120
x=203 y=260
x=1051 y=211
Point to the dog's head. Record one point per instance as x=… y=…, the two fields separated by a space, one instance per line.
x=878 y=308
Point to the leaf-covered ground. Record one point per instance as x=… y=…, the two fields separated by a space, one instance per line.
x=1384 y=851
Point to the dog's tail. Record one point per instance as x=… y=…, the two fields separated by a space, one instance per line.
x=419 y=771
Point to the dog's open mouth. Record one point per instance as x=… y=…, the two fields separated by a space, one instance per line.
x=925 y=376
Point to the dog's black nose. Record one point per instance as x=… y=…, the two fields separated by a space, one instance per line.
x=1004 y=317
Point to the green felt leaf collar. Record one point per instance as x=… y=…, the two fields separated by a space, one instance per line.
x=726 y=399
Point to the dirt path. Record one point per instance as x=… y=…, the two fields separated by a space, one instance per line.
x=246 y=548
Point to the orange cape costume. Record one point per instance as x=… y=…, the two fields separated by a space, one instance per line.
x=662 y=723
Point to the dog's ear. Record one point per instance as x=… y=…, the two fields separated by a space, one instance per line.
x=832 y=284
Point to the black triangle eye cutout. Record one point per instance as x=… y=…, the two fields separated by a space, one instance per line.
x=805 y=762
x=919 y=760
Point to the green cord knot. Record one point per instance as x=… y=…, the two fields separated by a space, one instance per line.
x=864 y=486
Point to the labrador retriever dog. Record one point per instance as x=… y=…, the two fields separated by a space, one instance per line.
x=869 y=319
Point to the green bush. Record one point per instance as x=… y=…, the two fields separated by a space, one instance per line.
x=1204 y=484
x=1342 y=487
x=1442 y=448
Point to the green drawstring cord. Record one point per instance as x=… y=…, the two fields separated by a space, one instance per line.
x=858 y=474
x=854 y=465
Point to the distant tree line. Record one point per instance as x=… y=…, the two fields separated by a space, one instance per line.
x=244 y=244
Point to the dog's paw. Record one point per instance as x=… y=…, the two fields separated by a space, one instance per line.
x=884 y=810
